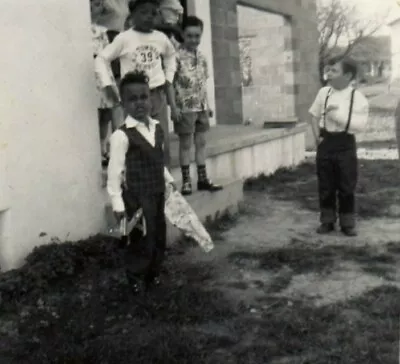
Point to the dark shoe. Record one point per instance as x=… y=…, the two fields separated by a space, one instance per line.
x=325 y=228
x=105 y=160
x=207 y=185
x=349 y=231
x=152 y=281
x=186 y=189
x=135 y=283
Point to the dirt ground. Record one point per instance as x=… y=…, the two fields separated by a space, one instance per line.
x=271 y=224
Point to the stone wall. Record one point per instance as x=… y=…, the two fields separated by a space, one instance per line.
x=299 y=62
x=266 y=60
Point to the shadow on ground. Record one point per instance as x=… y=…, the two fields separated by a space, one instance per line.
x=377 y=187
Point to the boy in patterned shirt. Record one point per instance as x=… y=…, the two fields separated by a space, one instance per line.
x=191 y=98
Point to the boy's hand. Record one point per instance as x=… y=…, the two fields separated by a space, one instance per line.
x=331 y=108
x=119 y=215
x=111 y=94
x=210 y=113
x=173 y=186
x=176 y=114
x=170 y=187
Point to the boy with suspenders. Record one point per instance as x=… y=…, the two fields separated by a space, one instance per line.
x=340 y=111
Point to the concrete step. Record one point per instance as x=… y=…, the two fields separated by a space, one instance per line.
x=208 y=206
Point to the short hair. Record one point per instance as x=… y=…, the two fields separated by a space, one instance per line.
x=133 y=4
x=348 y=65
x=133 y=77
x=192 y=21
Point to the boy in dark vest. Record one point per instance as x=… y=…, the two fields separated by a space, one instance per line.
x=340 y=111
x=137 y=148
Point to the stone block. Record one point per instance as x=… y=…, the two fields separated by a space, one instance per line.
x=231 y=34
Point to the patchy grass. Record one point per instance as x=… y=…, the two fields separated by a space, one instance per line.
x=376 y=190
x=284 y=263
x=91 y=317
x=87 y=314
x=363 y=330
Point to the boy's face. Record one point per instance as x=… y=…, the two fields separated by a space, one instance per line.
x=96 y=8
x=192 y=37
x=144 y=17
x=128 y=23
x=136 y=100
x=336 y=77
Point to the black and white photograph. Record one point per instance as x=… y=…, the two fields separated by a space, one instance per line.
x=200 y=182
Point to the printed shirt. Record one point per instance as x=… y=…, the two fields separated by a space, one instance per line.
x=341 y=98
x=99 y=38
x=119 y=145
x=191 y=81
x=148 y=52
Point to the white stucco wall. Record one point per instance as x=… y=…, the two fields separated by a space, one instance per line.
x=201 y=9
x=49 y=144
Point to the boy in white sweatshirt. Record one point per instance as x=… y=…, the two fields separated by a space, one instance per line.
x=142 y=48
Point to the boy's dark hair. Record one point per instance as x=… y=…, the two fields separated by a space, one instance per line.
x=192 y=21
x=348 y=65
x=133 y=4
x=133 y=77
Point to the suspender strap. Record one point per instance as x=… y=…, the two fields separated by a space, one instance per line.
x=350 y=111
x=325 y=106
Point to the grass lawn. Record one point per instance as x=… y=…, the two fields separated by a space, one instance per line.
x=71 y=303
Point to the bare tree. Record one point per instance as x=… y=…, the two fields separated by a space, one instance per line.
x=341 y=26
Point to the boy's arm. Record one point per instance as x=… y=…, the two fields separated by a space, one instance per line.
x=169 y=58
x=118 y=148
x=359 y=115
x=207 y=78
x=167 y=176
x=103 y=61
x=316 y=111
x=397 y=120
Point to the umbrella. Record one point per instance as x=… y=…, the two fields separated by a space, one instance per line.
x=180 y=214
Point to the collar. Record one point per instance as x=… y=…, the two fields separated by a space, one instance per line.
x=130 y=122
x=349 y=88
x=193 y=54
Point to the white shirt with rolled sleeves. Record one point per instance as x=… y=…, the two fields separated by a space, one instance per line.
x=151 y=52
x=119 y=144
x=336 y=121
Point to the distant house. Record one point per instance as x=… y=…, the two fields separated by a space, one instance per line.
x=373 y=54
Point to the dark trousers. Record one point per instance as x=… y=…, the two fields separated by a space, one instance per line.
x=159 y=112
x=145 y=254
x=337 y=171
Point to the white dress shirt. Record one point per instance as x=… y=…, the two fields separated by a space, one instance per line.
x=150 y=52
x=337 y=120
x=119 y=145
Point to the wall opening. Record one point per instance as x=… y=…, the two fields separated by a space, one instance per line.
x=266 y=62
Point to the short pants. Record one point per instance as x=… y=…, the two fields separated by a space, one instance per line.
x=192 y=122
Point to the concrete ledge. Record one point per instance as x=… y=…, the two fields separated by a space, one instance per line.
x=228 y=138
